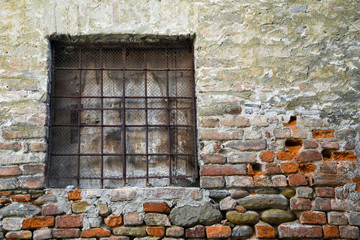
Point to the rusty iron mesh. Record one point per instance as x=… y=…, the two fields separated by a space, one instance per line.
x=122 y=115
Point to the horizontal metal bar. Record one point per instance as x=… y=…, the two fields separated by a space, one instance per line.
x=98 y=109
x=120 y=178
x=127 y=69
x=121 y=154
x=119 y=125
x=129 y=97
x=137 y=46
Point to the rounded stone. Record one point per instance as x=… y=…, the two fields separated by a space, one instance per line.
x=266 y=201
x=239 y=194
x=241 y=232
x=245 y=218
x=288 y=193
x=277 y=216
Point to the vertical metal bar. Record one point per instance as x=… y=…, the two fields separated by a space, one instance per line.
x=168 y=114
x=79 y=118
x=146 y=122
x=123 y=120
x=50 y=113
x=102 y=118
x=194 y=113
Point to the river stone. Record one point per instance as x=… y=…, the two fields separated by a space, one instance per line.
x=277 y=216
x=130 y=231
x=236 y=194
x=47 y=198
x=218 y=194
x=248 y=217
x=288 y=192
x=189 y=216
x=19 y=210
x=240 y=232
x=266 y=191
x=259 y=202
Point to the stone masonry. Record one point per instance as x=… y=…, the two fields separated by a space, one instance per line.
x=278 y=91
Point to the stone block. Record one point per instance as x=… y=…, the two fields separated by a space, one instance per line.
x=220 y=170
x=19 y=235
x=295 y=230
x=122 y=195
x=41 y=234
x=349 y=232
x=337 y=218
x=69 y=221
x=133 y=219
x=313 y=218
x=66 y=233
x=212 y=182
x=155 y=231
x=38 y=222
x=264 y=230
x=195 y=232
x=95 y=232
x=250 y=145
x=175 y=231
x=239 y=181
x=300 y=204
x=304 y=192
x=12 y=223
x=156 y=219
x=218 y=231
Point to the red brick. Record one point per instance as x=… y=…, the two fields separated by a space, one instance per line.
x=309 y=156
x=286 y=155
x=10 y=171
x=95 y=232
x=133 y=219
x=300 y=204
x=310 y=145
x=322 y=204
x=218 y=232
x=290 y=167
x=38 y=222
x=238 y=121
x=156 y=207
x=19 y=235
x=38 y=147
x=51 y=209
x=267 y=156
x=33 y=169
x=307 y=167
x=330 y=145
x=4 y=200
x=209 y=122
x=155 y=231
x=331 y=232
x=297 y=179
x=337 y=218
x=116 y=238
x=345 y=156
x=325 y=192
x=213 y=158
x=250 y=145
x=10 y=146
x=321 y=179
x=23 y=133
x=114 y=221
x=272 y=168
x=32 y=182
x=214 y=134
x=323 y=133
x=328 y=167
x=216 y=170
x=264 y=231
x=69 y=221
x=300 y=231
x=66 y=233
x=195 y=232
x=21 y=198
x=313 y=218
x=75 y=195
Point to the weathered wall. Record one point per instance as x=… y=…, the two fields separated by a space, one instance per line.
x=278 y=96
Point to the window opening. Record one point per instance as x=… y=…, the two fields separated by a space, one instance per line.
x=122 y=115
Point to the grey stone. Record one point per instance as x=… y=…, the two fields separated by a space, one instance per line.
x=227 y=203
x=245 y=218
x=298 y=9
x=304 y=192
x=354 y=218
x=129 y=231
x=245 y=157
x=122 y=195
x=156 y=219
x=47 y=198
x=95 y=222
x=175 y=231
x=188 y=216
x=9 y=183
x=346 y=133
x=42 y=234
x=19 y=210
x=259 y=202
x=104 y=210
x=240 y=232
x=236 y=194
x=218 y=194
x=282 y=133
x=277 y=216
x=266 y=191
x=12 y=223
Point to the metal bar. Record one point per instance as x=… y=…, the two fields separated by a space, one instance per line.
x=102 y=119
x=123 y=122
x=128 y=69
x=115 y=109
x=160 y=97
x=146 y=122
x=114 y=178
x=140 y=45
x=194 y=120
x=120 y=154
x=79 y=119
x=126 y=125
x=168 y=115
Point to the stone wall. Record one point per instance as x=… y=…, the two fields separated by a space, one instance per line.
x=277 y=85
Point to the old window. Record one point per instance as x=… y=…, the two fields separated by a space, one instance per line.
x=122 y=115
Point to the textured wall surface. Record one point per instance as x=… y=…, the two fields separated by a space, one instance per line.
x=278 y=93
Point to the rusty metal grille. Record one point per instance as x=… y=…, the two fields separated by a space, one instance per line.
x=122 y=115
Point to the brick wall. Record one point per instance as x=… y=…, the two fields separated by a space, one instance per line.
x=278 y=123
